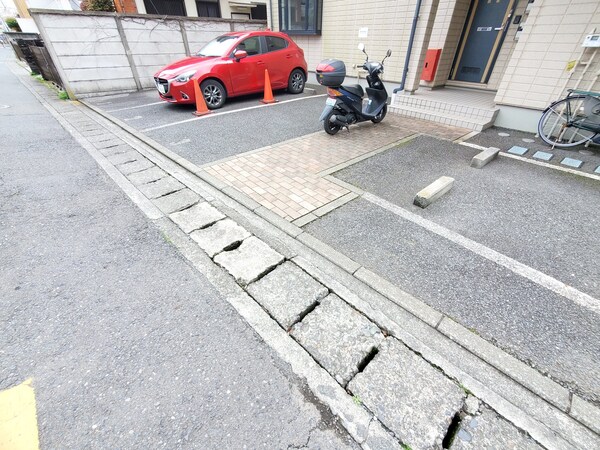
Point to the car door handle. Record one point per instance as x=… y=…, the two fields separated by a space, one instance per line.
x=288 y=56
x=260 y=62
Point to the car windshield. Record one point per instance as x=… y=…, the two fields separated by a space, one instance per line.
x=218 y=46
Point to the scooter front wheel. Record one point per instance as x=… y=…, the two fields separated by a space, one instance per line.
x=379 y=117
x=330 y=127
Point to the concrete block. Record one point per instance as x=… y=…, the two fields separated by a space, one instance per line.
x=490 y=431
x=409 y=396
x=250 y=261
x=114 y=149
x=572 y=162
x=147 y=176
x=471 y=405
x=177 y=201
x=483 y=158
x=380 y=439
x=216 y=238
x=586 y=413
x=123 y=158
x=135 y=166
x=287 y=293
x=201 y=215
x=435 y=190
x=516 y=150
x=544 y=156
x=338 y=337
x=161 y=187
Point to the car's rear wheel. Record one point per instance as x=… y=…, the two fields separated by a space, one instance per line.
x=296 y=81
x=214 y=94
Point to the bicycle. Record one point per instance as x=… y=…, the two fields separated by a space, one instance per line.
x=571 y=121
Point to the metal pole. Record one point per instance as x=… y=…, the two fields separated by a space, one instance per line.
x=409 y=50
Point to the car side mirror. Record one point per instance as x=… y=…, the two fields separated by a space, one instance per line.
x=240 y=54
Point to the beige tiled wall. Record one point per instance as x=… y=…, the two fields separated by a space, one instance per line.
x=389 y=23
x=552 y=36
x=508 y=46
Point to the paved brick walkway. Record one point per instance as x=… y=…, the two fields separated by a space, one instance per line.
x=285 y=177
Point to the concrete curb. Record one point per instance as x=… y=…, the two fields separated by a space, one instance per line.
x=552 y=393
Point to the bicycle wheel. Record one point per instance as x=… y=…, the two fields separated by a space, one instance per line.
x=558 y=124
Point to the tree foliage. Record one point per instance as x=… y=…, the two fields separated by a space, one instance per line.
x=98 y=5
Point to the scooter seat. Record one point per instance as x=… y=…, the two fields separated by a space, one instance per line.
x=355 y=89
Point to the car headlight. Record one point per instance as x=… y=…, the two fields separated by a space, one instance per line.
x=185 y=76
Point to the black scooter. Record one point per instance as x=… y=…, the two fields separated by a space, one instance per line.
x=345 y=104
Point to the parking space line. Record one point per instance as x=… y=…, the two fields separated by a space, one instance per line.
x=540 y=278
x=208 y=116
x=18 y=418
x=551 y=166
x=137 y=106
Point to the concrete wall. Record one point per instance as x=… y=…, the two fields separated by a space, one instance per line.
x=106 y=52
x=552 y=35
x=388 y=22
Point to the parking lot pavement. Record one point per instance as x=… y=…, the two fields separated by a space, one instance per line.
x=144 y=110
x=538 y=150
x=288 y=178
x=526 y=226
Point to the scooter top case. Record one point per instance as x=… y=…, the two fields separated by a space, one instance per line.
x=331 y=72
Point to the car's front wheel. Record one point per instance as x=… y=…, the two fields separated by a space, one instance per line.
x=214 y=93
x=296 y=81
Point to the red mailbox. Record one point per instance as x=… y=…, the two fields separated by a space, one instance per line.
x=432 y=58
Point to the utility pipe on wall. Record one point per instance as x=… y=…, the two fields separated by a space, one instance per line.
x=409 y=50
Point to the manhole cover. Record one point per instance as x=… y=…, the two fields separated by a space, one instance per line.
x=503 y=134
x=527 y=140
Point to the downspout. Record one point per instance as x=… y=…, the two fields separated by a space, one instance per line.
x=409 y=50
x=271 y=15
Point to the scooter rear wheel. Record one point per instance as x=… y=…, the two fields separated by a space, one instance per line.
x=379 y=117
x=330 y=127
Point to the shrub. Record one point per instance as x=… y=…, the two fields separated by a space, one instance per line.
x=97 y=5
x=12 y=23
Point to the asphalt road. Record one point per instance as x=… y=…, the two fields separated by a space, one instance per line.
x=539 y=217
x=127 y=345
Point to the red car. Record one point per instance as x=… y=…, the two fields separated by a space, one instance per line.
x=234 y=64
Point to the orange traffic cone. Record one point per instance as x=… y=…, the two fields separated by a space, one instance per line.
x=268 y=92
x=201 y=108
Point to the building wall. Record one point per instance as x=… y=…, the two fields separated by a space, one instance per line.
x=90 y=52
x=552 y=35
x=508 y=46
x=126 y=6
x=388 y=22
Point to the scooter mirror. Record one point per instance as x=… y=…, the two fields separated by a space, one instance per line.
x=361 y=47
x=388 y=54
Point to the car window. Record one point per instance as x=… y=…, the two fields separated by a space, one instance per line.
x=217 y=47
x=275 y=43
x=250 y=45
